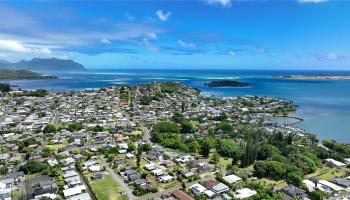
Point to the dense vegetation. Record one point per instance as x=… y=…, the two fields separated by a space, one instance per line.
x=5 y=87
x=226 y=83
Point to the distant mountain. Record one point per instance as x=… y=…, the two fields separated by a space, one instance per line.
x=43 y=64
x=4 y=62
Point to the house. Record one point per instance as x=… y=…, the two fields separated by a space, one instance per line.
x=166 y=178
x=82 y=196
x=220 y=188
x=341 y=181
x=294 y=191
x=134 y=177
x=96 y=176
x=70 y=173
x=150 y=167
x=119 y=161
x=157 y=172
x=230 y=179
x=309 y=185
x=197 y=189
x=209 y=193
x=5 y=193
x=209 y=184
x=244 y=193
x=41 y=185
x=140 y=181
x=70 y=192
x=331 y=185
x=180 y=195
x=95 y=168
x=129 y=155
x=335 y=162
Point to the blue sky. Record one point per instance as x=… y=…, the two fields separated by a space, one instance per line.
x=234 y=34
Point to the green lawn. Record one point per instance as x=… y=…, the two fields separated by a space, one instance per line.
x=136 y=133
x=223 y=162
x=106 y=188
x=56 y=146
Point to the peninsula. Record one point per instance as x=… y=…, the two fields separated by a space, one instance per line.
x=315 y=77
x=7 y=74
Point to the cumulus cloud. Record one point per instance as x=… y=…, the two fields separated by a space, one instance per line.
x=162 y=15
x=224 y=3
x=14 y=50
x=232 y=53
x=149 y=45
x=186 y=44
x=312 y=1
x=12 y=46
x=152 y=35
x=105 y=41
x=129 y=16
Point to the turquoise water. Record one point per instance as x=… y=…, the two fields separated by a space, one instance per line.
x=324 y=104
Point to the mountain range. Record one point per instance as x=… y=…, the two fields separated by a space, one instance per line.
x=52 y=64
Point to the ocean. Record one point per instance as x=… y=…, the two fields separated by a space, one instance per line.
x=323 y=104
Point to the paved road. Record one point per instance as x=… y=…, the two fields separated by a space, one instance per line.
x=124 y=187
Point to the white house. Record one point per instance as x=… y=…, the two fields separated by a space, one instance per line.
x=244 y=193
x=197 y=189
x=231 y=178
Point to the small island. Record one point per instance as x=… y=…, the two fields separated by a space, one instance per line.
x=7 y=74
x=226 y=83
x=315 y=77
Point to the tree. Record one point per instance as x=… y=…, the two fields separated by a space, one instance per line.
x=319 y=195
x=294 y=178
x=49 y=129
x=225 y=126
x=186 y=126
x=5 y=87
x=131 y=147
x=3 y=170
x=228 y=148
x=97 y=128
x=75 y=126
x=266 y=151
x=138 y=155
x=33 y=166
x=272 y=169
x=205 y=148
x=303 y=162
x=166 y=127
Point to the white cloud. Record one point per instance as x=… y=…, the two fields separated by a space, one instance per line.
x=224 y=3
x=149 y=45
x=164 y=16
x=232 y=53
x=13 y=50
x=331 y=56
x=186 y=44
x=152 y=36
x=105 y=41
x=312 y=1
x=12 y=46
x=129 y=16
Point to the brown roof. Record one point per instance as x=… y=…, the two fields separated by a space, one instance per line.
x=178 y=194
x=209 y=184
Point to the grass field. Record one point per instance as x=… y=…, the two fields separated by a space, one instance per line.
x=106 y=189
x=56 y=146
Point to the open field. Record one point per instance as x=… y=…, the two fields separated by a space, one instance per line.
x=106 y=189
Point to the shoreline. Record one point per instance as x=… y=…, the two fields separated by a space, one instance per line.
x=314 y=77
